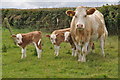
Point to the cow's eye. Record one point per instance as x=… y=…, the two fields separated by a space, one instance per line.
x=75 y=16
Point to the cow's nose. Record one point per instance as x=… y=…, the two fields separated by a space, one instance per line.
x=20 y=43
x=54 y=43
x=79 y=25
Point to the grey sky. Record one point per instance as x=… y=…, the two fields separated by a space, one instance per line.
x=27 y=4
x=59 y=0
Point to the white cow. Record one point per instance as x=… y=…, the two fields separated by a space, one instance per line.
x=87 y=25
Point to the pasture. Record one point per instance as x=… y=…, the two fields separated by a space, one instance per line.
x=63 y=66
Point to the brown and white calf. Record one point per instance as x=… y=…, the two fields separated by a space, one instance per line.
x=87 y=25
x=59 y=36
x=24 y=39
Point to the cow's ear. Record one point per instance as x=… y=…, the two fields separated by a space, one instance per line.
x=57 y=34
x=91 y=11
x=70 y=13
x=48 y=36
x=13 y=35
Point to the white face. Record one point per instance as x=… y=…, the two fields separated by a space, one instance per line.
x=53 y=38
x=19 y=38
x=66 y=34
x=80 y=17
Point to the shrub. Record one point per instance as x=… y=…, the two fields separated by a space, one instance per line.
x=4 y=48
x=55 y=18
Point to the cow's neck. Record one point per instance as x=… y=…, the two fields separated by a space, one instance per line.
x=82 y=35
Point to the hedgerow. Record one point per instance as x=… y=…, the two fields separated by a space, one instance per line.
x=55 y=18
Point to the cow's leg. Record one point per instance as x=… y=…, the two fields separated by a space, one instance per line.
x=23 y=53
x=78 y=51
x=79 y=56
x=73 y=51
x=84 y=52
x=73 y=47
x=102 y=42
x=38 y=50
x=89 y=48
x=56 y=49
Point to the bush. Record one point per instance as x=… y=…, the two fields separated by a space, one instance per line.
x=4 y=48
x=111 y=16
x=55 y=18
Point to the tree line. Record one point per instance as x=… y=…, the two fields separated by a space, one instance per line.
x=56 y=18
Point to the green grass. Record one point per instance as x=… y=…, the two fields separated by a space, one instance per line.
x=63 y=66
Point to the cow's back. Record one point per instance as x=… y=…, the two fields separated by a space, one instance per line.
x=97 y=25
x=31 y=37
x=61 y=31
x=101 y=17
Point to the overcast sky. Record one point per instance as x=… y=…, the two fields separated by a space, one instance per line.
x=27 y=4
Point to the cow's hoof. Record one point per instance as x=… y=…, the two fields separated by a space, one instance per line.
x=79 y=60
x=83 y=61
x=38 y=57
x=72 y=54
x=75 y=55
x=93 y=51
x=57 y=55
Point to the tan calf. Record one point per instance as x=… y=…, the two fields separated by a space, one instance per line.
x=24 y=39
x=59 y=36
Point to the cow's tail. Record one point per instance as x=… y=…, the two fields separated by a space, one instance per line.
x=106 y=32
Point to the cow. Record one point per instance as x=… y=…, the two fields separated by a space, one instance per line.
x=24 y=39
x=59 y=36
x=86 y=26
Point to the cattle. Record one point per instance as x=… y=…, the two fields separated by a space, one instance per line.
x=86 y=26
x=24 y=39
x=63 y=35
x=59 y=36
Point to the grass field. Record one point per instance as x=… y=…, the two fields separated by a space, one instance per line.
x=63 y=66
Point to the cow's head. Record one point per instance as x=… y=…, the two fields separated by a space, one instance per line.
x=80 y=16
x=66 y=35
x=55 y=38
x=18 y=38
x=52 y=38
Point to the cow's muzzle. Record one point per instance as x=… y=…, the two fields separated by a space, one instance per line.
x=80 y=27
x=20 y=43
x=53 y=43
